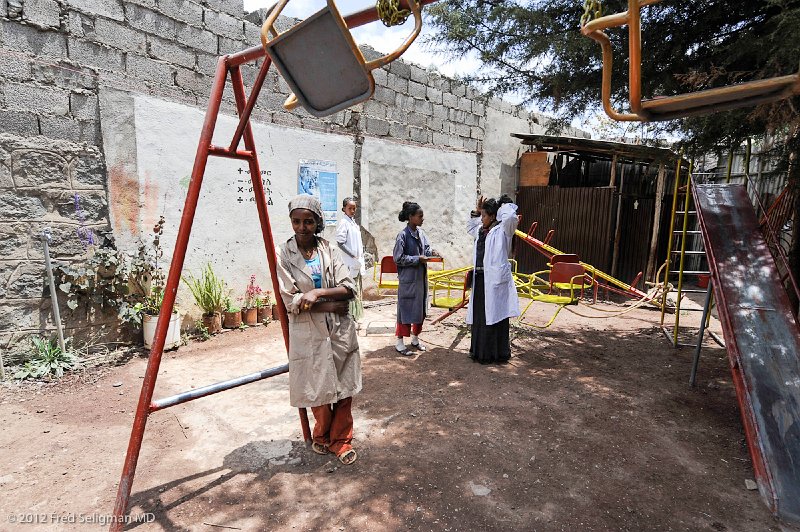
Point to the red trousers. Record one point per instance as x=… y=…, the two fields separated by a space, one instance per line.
x=333 y=425
x=405 y=329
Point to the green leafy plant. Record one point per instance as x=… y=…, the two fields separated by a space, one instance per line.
x=201 y=331
x=100 y=280
x=208 y=290
x=228 y=305
x=48 y=360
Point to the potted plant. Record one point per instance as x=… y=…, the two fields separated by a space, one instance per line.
x=231 y=315
x=146 y=281
x=208 y=291
x=264 y=306
x=250 y=303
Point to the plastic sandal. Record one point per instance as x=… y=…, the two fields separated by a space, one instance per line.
x=348 y=457
x=319 y=448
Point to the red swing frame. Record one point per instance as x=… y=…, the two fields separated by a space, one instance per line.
x=226 y=65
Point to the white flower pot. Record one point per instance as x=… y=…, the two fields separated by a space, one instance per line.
x=173 y=332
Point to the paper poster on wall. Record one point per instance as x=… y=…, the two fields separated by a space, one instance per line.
x=319 y=178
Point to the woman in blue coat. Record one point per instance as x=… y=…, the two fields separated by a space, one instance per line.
x=411 y=253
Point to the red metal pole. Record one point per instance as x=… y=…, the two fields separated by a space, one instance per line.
x=263 y=217
x=170 y=291
x=244 y=116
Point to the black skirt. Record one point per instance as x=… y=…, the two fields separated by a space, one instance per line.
x=490 y=343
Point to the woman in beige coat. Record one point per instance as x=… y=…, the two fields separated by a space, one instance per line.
x=324 y=360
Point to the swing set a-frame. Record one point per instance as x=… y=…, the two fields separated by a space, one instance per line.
x=327 y=73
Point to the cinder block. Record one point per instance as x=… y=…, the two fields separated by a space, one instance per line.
x=418 y=134
x=149 y=21
x=381 y=76
x=479 y=108
x=117 y=36
x=78 y=24
x=417 y=90
x=232 y=7
x=416 y=119
x=192 y=81
x=83 y=106
x=90 y=54
x=465 y=104
x=471 y=145
x=183 y=10
x=224 y=24
x=23 y=38
x=462 y=130
x=458 y=88
x=400 y=69
x=398 y=130
x=207 y=64
x=230 y=46
x=435 y=124
x=42 y=13
x=449 y=100
x=22 y=279
x=33 y=98
x=5 y=176
x=3 y=10
x=440 y=139
x=75 y=78
x=477 y=133
x=377 y=127
x=384 y=95
x=252 y=34
x=433 y=95
x=60 y=127
x=398 y=83
x=19 y=123
x=171 y=52
x=39 y=169
x=108 y=8
x=375 y=109
x=148 y=69
x=440 y=111
x=197 y=38
x=418 y=74
x=15 y=67
x=89 y=132
x=423 y=107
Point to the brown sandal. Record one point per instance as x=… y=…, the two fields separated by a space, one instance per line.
x=319 y=448
x=348 y=457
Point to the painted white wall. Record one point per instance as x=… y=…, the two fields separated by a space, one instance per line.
x=226 y=230
x=443 y=183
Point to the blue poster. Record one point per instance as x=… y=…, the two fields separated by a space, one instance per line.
x=319 y=178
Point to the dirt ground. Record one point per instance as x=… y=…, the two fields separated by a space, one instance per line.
x=591 y=427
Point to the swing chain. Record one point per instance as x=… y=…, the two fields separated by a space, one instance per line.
x=390 y=13
x=592 y=10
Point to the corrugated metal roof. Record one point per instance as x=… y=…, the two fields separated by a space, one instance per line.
x=602 y=148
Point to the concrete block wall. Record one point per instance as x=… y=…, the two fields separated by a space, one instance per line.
x=58 y=56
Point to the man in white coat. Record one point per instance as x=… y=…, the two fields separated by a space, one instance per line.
x=348 y=236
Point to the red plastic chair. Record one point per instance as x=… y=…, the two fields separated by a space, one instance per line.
x=387 y=267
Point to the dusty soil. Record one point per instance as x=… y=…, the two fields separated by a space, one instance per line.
x=591 y=427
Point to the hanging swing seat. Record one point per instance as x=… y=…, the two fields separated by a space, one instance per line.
x=671 y=107
x=321 y=62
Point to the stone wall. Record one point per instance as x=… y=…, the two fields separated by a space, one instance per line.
x=59 y=59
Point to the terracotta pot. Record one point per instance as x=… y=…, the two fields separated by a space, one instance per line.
x=173 y=338
x=232 y=320
x=275 y=315
x=250 y=316
x=264 y=314
x=703 y=279
x=212 y=322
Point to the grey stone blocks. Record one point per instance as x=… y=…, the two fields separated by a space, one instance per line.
x=20 y=123
x=117 y=36
x=43 y=13
x=183 y=10
x=108 y=8
x=35 y=98
x=93 y=55
x=151 y=70
x=197 y=38
x=30 y=40
x=171 y=52
x=224 y=24
x=146 y=20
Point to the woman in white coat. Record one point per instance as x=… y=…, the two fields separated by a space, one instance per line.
x=348 y=236
x=494 y=297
